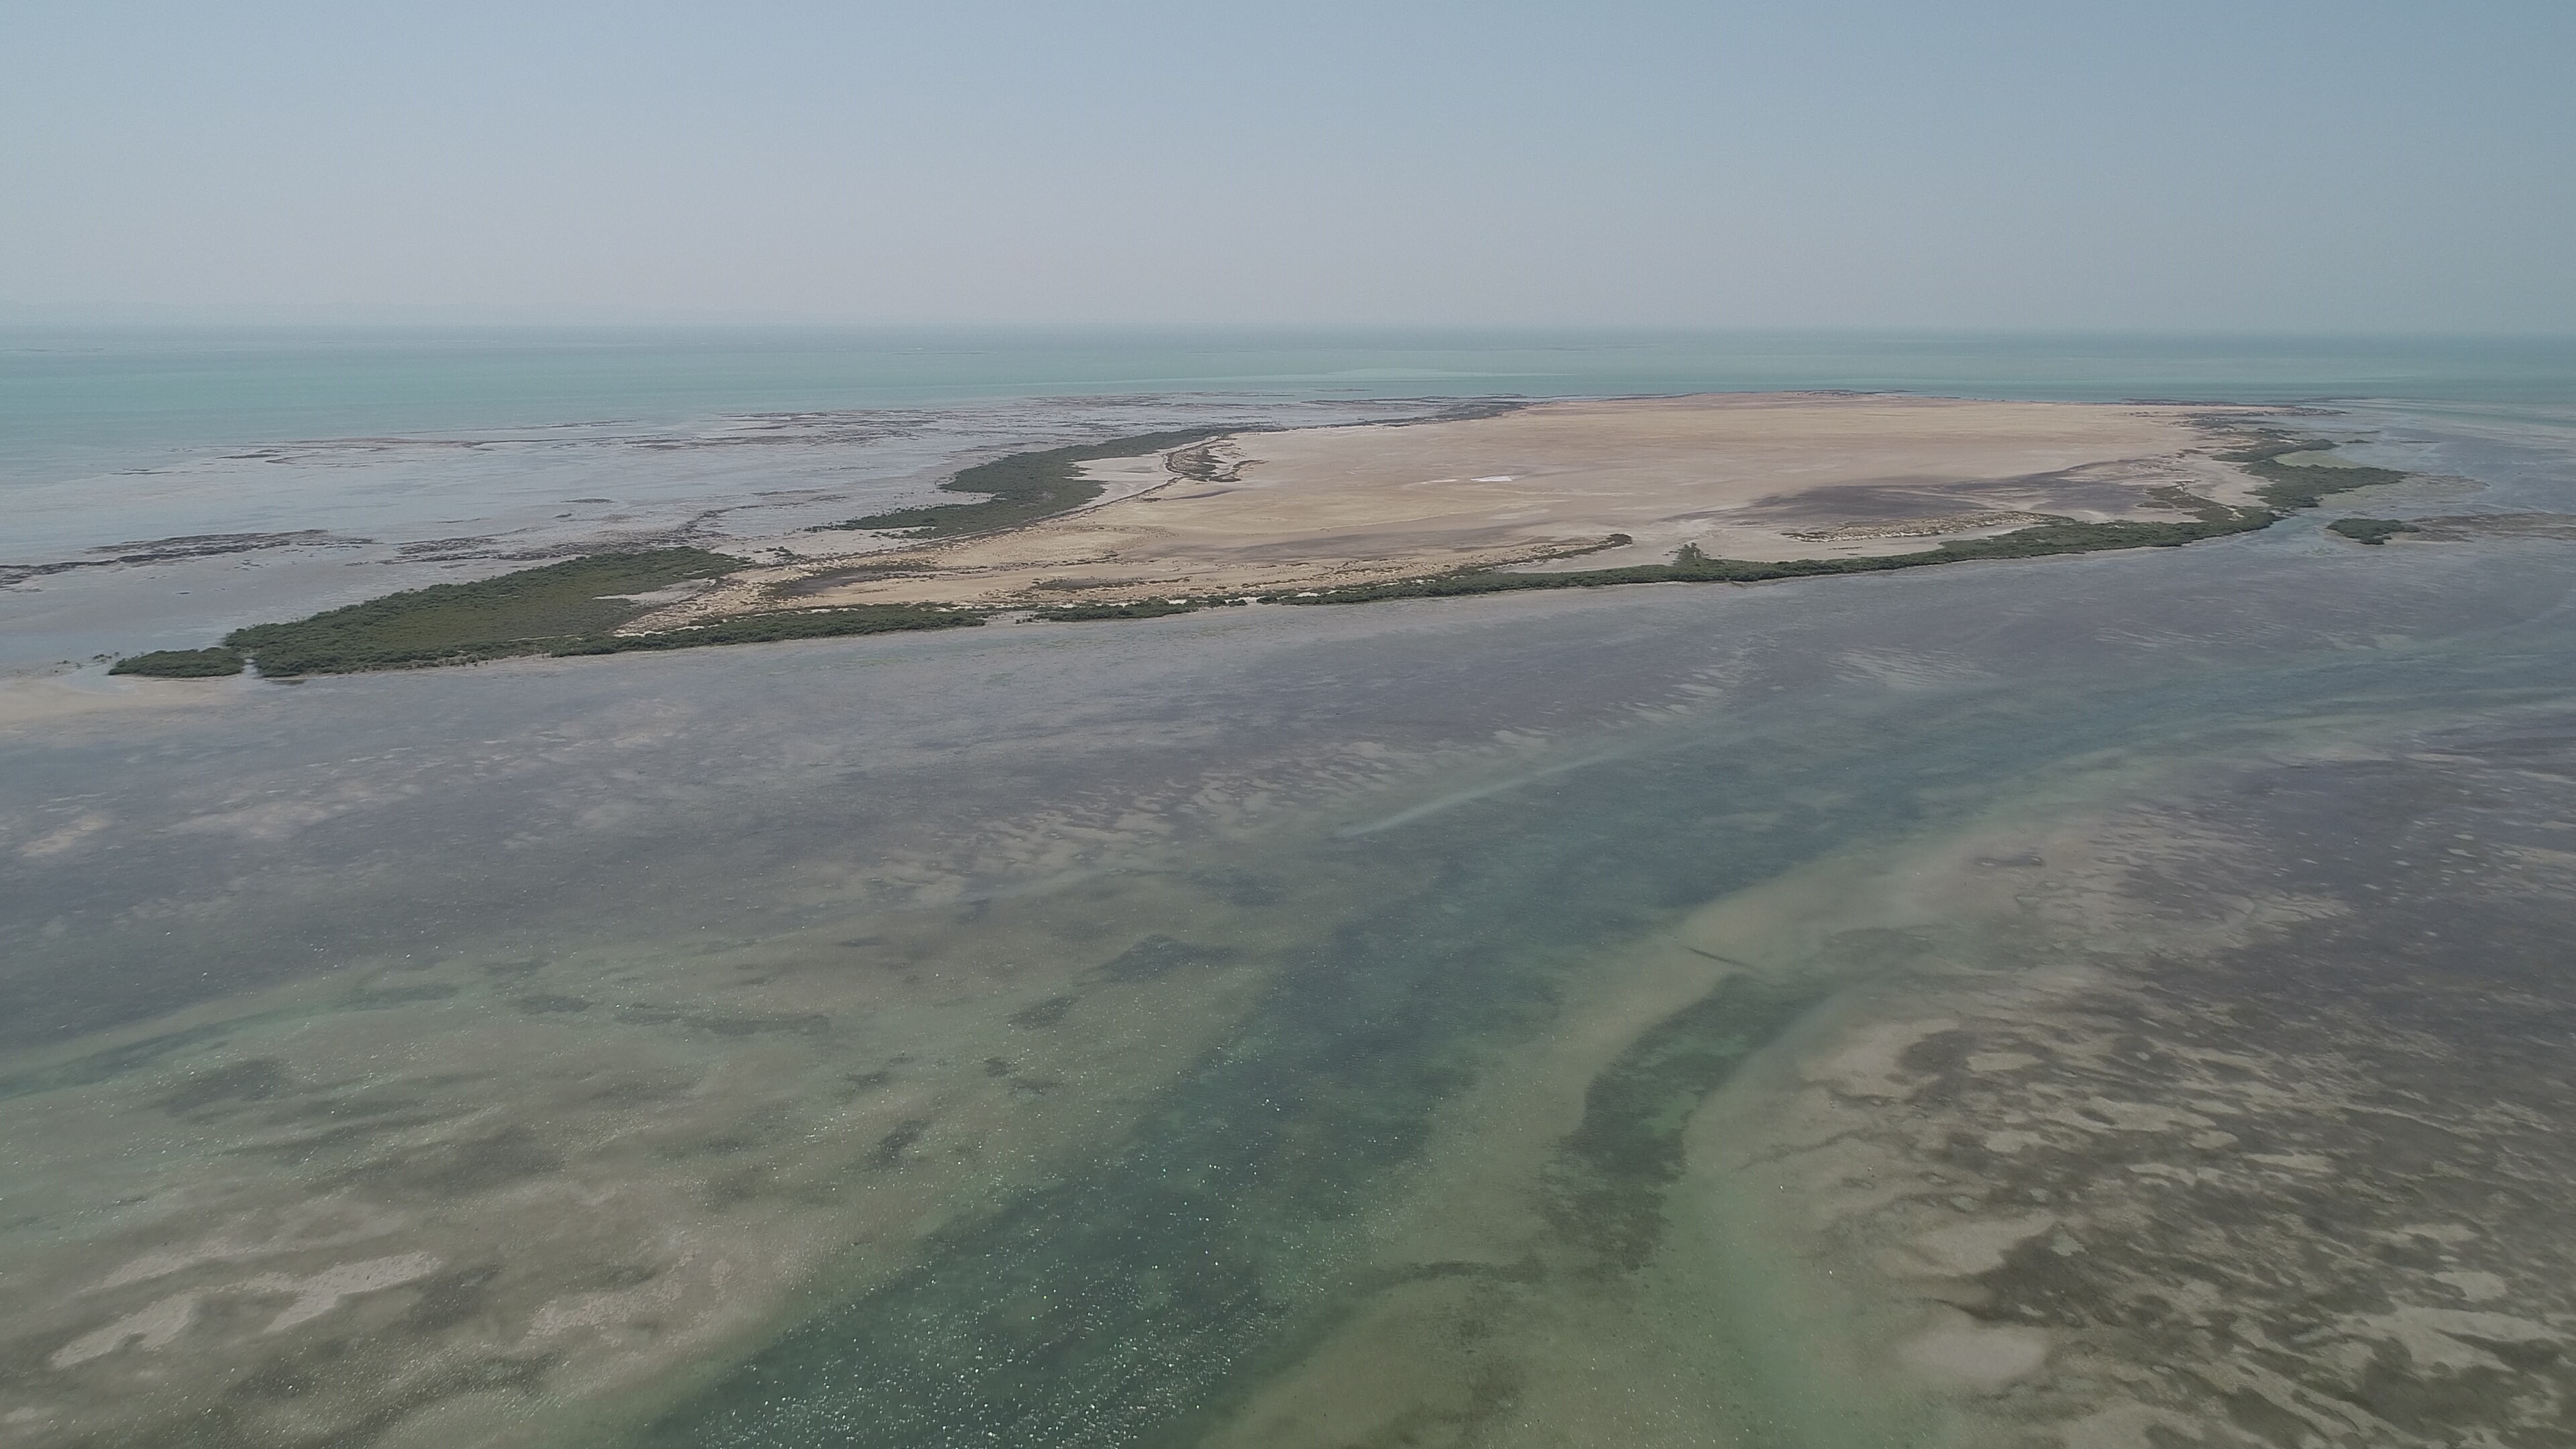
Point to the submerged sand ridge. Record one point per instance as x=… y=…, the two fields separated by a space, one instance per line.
x=2220 y=1113
x=2207 y=1106
x=1589 y=484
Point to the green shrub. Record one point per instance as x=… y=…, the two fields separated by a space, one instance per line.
x=1689 y=565
x=2370 y=530
x=1149 y=609
x=527 y=612
x=181 y=663
x=2292 y=486
x=1024 y=487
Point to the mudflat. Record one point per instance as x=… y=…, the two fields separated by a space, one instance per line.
x=1588 y=484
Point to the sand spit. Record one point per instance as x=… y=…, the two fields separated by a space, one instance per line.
x=1745 y=476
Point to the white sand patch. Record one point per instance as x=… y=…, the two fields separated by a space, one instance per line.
x=323 y=1291
x=2448 y=1337
x=163 y=1262
x=2475 y=1286
x=669 y=594
x=147 y=1328
x=1958 y=1352
x=322 y=1223
x=1967 y=1249
x=1866 y=1064
x=2438 y=1232
x=314 y=1295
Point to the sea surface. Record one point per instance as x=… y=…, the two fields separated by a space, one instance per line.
x=2102 y=1000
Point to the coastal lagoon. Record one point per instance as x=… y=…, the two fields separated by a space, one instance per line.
x=2104 y=1000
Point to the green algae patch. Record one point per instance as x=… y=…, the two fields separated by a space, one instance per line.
x=532 y=611
x=215 y=663
x=2371 y=530
x=1024 y=487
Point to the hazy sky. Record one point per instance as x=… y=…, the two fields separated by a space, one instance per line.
x=2266 y=164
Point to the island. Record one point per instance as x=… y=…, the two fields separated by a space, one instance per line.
x=1714 y=488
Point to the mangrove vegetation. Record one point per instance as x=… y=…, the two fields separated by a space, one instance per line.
x=567 y=608
x=1689 y=565
x=1023 y=487
x=2289 y=486
x=528 y=612
x=2371 y=530
x=585 y=605
x=213 y=663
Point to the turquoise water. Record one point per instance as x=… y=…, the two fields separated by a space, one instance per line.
x=1177 y=1032
x=203 y=480
x=65 y=394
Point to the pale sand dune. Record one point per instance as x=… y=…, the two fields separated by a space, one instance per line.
x=1748 y=476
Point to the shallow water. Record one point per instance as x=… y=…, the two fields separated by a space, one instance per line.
x=1269 y=1026
x=177 y=484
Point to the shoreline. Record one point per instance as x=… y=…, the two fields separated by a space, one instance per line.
x=616 y=602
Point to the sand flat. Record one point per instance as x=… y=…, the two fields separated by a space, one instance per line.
x=1750 y=476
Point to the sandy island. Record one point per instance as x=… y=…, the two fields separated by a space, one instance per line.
x=1574 y=485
